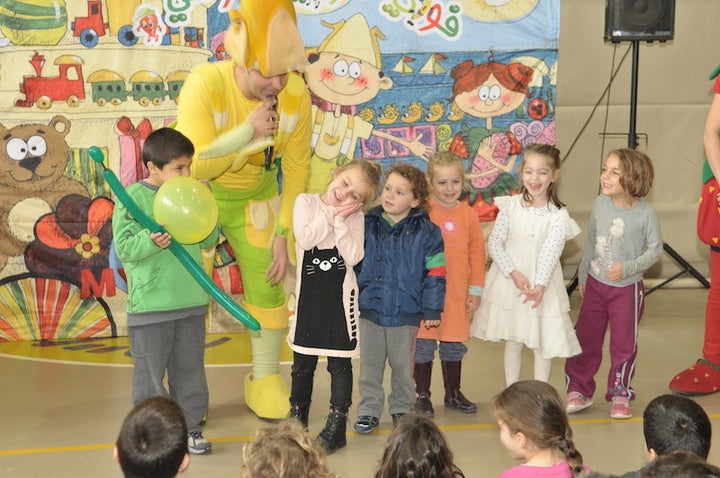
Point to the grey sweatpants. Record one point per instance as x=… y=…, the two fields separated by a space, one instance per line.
x=379 y=344
x=177 y=346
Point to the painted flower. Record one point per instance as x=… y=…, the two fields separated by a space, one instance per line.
x=74 y=237
x=88 y=246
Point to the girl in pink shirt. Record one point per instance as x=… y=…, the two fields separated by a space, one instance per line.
x=534 y=428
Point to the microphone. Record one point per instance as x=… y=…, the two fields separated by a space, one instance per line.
x=270 y=150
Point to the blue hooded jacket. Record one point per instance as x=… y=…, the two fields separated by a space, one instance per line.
x=402 y=276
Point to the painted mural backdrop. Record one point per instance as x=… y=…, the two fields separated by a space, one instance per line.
x=391 y=80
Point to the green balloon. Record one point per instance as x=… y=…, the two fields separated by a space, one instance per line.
x=186 y=208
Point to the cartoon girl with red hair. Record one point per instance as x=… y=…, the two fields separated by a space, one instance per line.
x=486 y=91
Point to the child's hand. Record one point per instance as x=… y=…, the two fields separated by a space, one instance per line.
x=161 y=239
x=533 y=295
x=345 y=211
x=472 y=304
x=614 y=272
x=520 y=280
x=430 y=323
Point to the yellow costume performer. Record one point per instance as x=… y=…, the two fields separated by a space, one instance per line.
x=232 y=111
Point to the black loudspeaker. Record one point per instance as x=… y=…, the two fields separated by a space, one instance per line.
x=643 y=20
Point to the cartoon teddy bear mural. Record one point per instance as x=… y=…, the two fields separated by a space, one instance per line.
x=32 y=180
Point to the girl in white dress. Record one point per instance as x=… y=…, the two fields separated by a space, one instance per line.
x=525 y=301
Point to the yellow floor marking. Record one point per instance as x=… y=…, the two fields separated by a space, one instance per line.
x=244 y=438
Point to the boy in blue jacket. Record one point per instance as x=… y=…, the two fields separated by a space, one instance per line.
x=402 y=284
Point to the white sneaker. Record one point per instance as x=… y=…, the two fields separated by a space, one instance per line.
x=198 y=444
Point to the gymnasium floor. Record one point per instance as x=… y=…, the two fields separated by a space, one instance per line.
x=62 y=404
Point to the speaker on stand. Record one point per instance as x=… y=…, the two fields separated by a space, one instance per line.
x=649 y=21
x=639 y=20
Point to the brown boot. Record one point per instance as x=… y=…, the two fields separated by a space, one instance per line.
x=422 y=375
x=453 y=396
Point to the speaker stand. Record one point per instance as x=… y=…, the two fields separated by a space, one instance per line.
x=632 y=143
x=686 y=269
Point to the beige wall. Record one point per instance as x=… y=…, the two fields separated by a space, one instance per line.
x=674 y=94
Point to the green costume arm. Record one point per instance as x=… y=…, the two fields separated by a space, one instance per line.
x=229 y=142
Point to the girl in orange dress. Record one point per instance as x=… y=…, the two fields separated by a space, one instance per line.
x=465 y=257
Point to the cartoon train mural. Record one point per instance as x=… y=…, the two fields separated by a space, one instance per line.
x=88 y=29
x=42 y=91
x=106 y=86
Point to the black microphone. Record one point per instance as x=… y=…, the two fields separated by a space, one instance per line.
x=270 y=150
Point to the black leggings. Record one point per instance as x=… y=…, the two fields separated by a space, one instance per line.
x=341 y=380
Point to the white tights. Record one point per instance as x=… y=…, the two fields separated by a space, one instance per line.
x=513 y=361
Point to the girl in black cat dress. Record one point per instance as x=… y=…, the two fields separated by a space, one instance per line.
x=329 y=237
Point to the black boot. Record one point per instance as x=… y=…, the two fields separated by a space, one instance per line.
x=300 y=413
x=332 y=437
x=422 y=375
x=453 y=396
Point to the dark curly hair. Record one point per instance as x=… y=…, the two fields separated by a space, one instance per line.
x=418 y=182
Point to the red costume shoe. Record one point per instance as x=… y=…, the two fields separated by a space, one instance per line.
x=700 y=379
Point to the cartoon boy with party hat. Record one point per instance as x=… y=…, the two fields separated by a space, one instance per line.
x=345 y=71
x=245 y=117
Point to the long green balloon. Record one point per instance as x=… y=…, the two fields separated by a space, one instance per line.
x=179 y=251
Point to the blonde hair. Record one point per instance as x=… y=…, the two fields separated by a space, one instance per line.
x=370 y=170
x=446 y=158
x=284 y=451
x=534 y=408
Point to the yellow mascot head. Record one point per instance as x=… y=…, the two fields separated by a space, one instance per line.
x=263 y=35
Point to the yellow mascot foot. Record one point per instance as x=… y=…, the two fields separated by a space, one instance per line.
x=268 y=397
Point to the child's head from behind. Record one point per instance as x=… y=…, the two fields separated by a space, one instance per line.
x=167 y=153
x=284 y=451
x=627 y=172
x=679 y=464
x=446 y=175
x=153 y=440
x=532 y=417
x=674 y=422
x=540 y=170
x=355 y=182
x=405 y=188
x=417 y=448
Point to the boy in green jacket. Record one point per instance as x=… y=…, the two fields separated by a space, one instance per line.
x=166 y=307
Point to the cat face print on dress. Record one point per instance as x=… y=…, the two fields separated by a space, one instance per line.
x=321 y=319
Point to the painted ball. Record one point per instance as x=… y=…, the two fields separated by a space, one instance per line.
x=33 y=22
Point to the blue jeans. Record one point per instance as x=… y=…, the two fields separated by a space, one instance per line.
x=449 y=351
